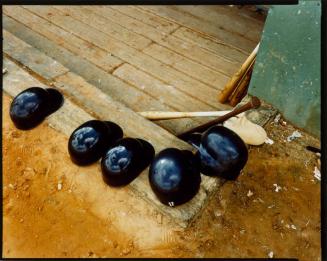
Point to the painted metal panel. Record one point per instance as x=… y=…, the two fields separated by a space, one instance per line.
x=287 y=69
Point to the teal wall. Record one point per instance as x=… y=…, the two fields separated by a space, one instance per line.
x=287 y=69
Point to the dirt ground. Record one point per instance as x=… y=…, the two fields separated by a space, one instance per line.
x=273 y=209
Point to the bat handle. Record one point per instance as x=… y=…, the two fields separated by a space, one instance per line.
x=252 y=104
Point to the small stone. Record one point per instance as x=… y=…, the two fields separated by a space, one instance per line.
x=277 y=188
x=271 y=254
x=217 y=213
x=28 y=172
x=59 y=186
x=293 y=227
x=250 y=193
x=296 y=134
x=12 y=186
x=21 y=220
x=277 y=118
x=317 y=173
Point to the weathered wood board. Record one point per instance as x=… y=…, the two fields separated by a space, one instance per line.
x=221 y=64
x=100 y=37
x=189 y=21
x=118 y=89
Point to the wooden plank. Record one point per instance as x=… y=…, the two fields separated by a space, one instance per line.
x=244 y=11
x=193 y=52
x=204 y=41
x=115 y=30
x=47 y=66
x=79 y=83
x=193 y=23
x=215 y=62
x=193 y=69
x=132 y=124
x=140 y=60
x=168 y=94
x=237 y=25
x=122 y=92
x=212 y=44
x=161 y=24
x=87 y=50
x=105 y=108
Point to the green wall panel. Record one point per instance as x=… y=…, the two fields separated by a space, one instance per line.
x=287 y=70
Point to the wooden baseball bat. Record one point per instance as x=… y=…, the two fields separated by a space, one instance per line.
x=252 y=104
x=241 y=88
x=165 y=115
x=232 y=84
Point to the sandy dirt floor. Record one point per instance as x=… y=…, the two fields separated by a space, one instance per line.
x=273 y=209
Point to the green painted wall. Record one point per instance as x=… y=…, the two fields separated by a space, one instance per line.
x=287 y=70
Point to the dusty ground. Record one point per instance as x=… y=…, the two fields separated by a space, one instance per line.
x=48 y=214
